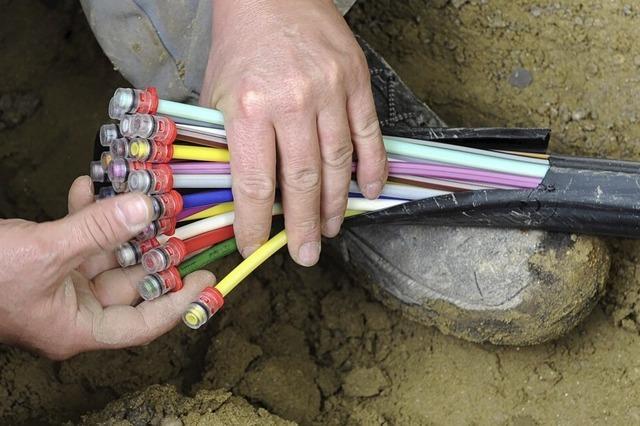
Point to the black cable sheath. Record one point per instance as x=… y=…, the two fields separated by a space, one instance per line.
x=578 y=195
x=503 y=139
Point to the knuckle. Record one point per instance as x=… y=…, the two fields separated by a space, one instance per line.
x=251 y=232
x=256 y=187
x=298 y=94
x=369 y=128
x=98 y=228
x=306 y=226
x=250 y=98
x=250 y=103
x=303 y=180
x=339 y=157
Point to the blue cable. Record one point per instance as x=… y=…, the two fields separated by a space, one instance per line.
x=206 y=198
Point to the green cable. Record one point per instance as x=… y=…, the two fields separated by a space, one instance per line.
x=208 y=256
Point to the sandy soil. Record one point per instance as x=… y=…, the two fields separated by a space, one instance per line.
x=313 y=346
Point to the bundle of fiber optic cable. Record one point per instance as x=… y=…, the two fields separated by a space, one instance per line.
x=177 y=154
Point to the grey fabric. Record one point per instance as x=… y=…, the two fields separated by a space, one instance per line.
x=161 y=43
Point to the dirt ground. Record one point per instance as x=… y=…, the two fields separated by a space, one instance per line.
x=311 y=345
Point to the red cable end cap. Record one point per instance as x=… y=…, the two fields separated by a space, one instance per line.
x=167 y=131
x=212 y=298
x=167 y=225
x=173 y=275
x=155 y=100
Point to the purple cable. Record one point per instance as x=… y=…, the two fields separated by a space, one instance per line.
x=202 y=167
x=192 y=210
x=396 y=168
x=463 y=174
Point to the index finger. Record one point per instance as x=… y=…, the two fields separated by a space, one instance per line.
x=253 y=169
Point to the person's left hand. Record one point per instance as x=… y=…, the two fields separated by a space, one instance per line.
x=62 y=290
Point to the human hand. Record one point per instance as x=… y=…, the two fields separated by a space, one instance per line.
x=289 y=73
x=62 y=292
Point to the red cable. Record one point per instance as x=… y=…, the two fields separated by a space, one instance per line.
x=208 y=239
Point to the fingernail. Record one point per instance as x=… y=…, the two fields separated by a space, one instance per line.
x=331 y=227
x=248 y=251
x=134 y=211
x=309 y=253
x=372 y=190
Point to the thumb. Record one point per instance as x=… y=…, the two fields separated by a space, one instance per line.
x=101 y=227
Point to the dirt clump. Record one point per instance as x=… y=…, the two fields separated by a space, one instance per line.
x=162 y=405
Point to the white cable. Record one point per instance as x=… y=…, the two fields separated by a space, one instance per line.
x=209 y=224
x=364 y=205
x=405 y=192
x=201 y=181
x=202 y=130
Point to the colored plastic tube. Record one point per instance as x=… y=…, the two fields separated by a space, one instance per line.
x=208 y=256
x=207 y=197
x=466 y=159
x=190 y=112
x=211 y=211
x=201 y=181
x=200 y=153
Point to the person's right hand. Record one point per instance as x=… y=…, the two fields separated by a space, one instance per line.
x=62 y=291
x=290 y=74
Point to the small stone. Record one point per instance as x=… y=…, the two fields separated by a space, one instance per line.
x=171 y=421
x=520 y=78
x=619 y=59
x=536 y=11
x=364 y=382
x=629 y=325
x=579 y=115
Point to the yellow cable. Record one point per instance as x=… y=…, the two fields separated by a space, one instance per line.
x=200 y=153
x=211 y=211
x=256 y=259
x=248 y=265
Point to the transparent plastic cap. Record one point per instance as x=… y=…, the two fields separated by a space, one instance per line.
x=140 y=181
x=119 y=148
x=97 y=172
x=118 y=170
x=158 y=208
x=126 y=255
x=122 y=102
x=155 y=260
x=109 y=133
x=137 y=126
x=151 y=287
x=196 y=316
x=139 y=149
x=149 y=232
